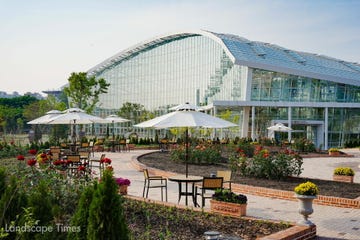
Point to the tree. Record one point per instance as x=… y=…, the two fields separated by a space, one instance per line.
x=84 y=91
x=135 y=111
x=106 y=215
x=81 y=216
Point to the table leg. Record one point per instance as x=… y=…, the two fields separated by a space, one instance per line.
x=186 y=194
x=194 y=196
x=179 y=191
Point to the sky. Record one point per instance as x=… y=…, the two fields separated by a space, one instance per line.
x=43 y=41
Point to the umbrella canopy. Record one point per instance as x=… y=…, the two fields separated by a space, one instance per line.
x=279 y=127
x=186 y=116
x=76 y=116
x=46 y=118
x=116 y=119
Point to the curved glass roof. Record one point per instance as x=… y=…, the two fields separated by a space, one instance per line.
x=256 y=55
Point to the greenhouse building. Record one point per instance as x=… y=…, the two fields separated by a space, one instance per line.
x=256 y=84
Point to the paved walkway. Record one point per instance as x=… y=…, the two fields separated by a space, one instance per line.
x=332 y=222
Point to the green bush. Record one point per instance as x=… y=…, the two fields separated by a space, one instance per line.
x=200 y=154
x=265 y=165
x=106 y=217
x=303 y=145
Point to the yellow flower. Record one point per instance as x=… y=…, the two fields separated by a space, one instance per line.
x=307 y=188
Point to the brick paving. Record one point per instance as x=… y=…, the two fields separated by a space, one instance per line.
x=331 y=222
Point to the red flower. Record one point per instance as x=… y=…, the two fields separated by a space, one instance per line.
x=20 y=158
x=81 y=168
x=32 y=151
x=106 y=160
x=31 y=162
x=68 y=162
x=43 y=155
x=109 y=168
x=58 y=162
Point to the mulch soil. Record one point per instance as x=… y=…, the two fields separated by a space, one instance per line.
x=162 y=160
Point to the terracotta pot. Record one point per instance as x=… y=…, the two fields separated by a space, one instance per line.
x=305 y=208
x=343 y=178
x=123 y=189
x=226 y=208
x=334 y=153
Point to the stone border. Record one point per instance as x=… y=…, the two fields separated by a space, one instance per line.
x=264 y=192
x=293 y=233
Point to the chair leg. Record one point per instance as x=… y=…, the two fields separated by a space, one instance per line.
x=144 y=189
x=161 y=189
x=203 y=199
x=147 y=191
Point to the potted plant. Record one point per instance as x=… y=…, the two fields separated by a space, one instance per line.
x=123 y=184
x=306 y=193
x=344 y=174
x=227 y=202
x=334 y=152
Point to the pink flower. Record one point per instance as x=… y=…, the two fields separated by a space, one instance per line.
x=122 y=181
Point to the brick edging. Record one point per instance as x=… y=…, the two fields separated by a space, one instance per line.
x=261 y=191
x=295 y=232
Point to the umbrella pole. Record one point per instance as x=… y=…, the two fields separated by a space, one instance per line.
x=186 y=151
x=113 y=137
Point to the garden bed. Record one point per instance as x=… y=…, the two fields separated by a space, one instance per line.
x=148 y=220
x=162 y=161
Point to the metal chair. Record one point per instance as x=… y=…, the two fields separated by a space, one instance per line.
x=160 y=182
x=226 y=175
x=208 y=183
x=97 y=163
x=75 y=163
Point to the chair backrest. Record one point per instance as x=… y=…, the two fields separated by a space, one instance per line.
x=74 y=158
x=84 y=154
x=226 y=175
x=212 y=183
x=146 y=173
x=84 y=145
x=55 y=149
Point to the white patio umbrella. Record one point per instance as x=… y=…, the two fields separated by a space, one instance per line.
x=46 y=118
x=279 y=127
x=115 y=119
x=74 y=116
x=186 y=116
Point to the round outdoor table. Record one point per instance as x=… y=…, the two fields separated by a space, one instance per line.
x=180 y=179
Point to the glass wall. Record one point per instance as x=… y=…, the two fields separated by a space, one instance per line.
x=193 y=69
x=274 y=86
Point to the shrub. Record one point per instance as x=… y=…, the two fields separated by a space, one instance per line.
x=303 y=145
x=106 y=217
x=200 y=154
x=307 y=188
x=264 y=165
x=225 y=195
x=345 y=171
